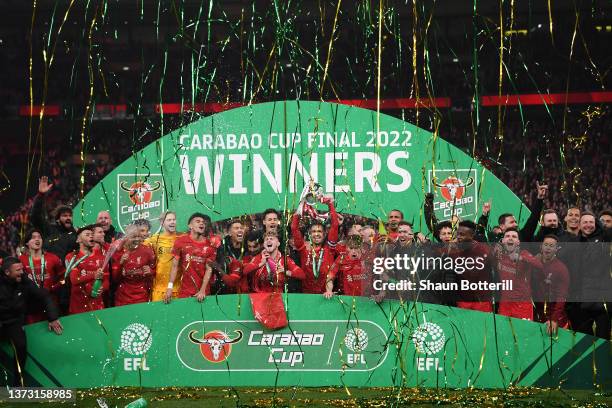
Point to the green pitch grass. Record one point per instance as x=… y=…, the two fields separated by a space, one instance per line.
x=337 y=397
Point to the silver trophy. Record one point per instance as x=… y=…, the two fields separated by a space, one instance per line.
x=311 y=195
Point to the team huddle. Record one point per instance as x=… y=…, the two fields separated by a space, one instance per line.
x=320 y=254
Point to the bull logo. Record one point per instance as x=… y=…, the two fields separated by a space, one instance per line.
x=453 y=188
x=140 y=192
x=216 y=345
x=140 y=196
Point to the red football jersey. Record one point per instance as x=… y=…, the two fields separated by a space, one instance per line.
x=51 y=277
x=235 y=279
x=351 y=275
x=315 y=263
x=134 y=281
x=102 y=249
x=552 y=283
x=82 y=278
x=474 y=274
x=193 y=257
x=520 y=273
x=266 y=279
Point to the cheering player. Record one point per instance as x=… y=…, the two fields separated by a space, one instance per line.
x=192 y=254
x=316 y=256
x=98 y=236
x=270 y=267
x=348 y=270
x=516 y=265
x=162 y=244
x=133 y=269
x=469 y=248
x=229 y=260
x=87 y=274
x=551 y=286
x=393 y=220
x=43 y=268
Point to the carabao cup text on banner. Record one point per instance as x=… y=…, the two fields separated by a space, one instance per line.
x=245 y=160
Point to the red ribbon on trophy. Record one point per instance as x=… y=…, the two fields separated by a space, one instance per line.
x=311 y=195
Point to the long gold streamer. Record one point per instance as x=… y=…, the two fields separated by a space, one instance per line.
x=18 y=365
x=550 y=23
x=500 y=81
x=378 y=67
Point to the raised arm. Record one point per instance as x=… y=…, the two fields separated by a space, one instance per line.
x=428 y=210
x=332 y=236
x=298 y=238
x=531 y=225
x=483 y=223
x=37 y=214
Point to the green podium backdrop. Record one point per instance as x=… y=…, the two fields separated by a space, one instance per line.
x=342 y=341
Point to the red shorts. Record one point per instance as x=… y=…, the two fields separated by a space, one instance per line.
x=479 y=306
x=520 y=310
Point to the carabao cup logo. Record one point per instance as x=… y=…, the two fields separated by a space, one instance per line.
x=428 y=338
x=454 y=192
x=140 y=196
x=215 y=346
x=453 y=188
x=140 y=192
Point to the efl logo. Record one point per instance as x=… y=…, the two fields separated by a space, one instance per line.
x=356 y=340
x=215 y=346
x=454 y=192
x=136 y=339
x=428 y=338
x=140 y=196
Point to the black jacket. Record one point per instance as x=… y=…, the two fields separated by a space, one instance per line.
x=111 y=234
x=526 y=233
x=225 y=253
x=16 y=297
x=57 y=239
x=559 y=232
x=593 y=265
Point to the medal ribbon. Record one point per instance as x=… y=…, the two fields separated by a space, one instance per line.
x=269 y=269
x=42 y=269
x=74 y=263
x=316 y=264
